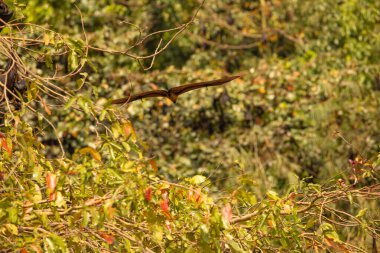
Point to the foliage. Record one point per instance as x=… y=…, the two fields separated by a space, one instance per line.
x=260 y=164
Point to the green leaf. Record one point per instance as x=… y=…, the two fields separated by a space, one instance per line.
x=197 y=179
x=127 y=245
x=54 y=244
x=37 y=196
x=235 y=246
x=70 y=102
x=73 y=61
x=76 y=45
x=94 y=216
x=44 y=219
x=85 y=218
x=157 y=235
x=48 y=61
x=12 y=214
x=329 y=231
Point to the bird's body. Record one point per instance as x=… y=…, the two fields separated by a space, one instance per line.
x=173 y=93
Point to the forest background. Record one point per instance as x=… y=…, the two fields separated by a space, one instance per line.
x=285 y=158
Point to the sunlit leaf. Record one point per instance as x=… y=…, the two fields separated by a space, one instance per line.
x=51 y=181
x=88 y=150
x=362 y=212
x=73 y=61
x=12 y=228
x=197 y=179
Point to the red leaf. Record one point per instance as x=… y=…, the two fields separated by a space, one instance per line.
x=164 y=205
x=148 y=194
x=290 y=87
x=227 y=212
x=4 y=144
x=108 y=238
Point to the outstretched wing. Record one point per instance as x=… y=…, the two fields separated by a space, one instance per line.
x=146 y=94
x=192 y=86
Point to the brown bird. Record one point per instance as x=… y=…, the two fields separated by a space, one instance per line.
x=173 y=93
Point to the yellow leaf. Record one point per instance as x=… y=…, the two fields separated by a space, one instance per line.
x=12 y=228
x=46 y=39
x=262 y=90
x=88 y=150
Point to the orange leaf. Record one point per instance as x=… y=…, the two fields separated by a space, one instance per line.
x=154 y=165
x=153 y=86
x=23 y=250
x=190 y=194
x=53 y=196
x=109 y=210
x=6 y=147
x=129 y=130
x=44 y=105
x=36 y=248
x=51 y=181
x=72 y=172
x=290 y=87
x=108 y=238
x=197 y=196
x=164 y=205
x=4 y=144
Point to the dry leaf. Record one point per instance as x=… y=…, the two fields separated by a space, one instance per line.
x=154 y=165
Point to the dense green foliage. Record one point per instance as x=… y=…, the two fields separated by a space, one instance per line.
x=285 y=158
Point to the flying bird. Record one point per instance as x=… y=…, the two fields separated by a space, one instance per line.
x=173 y=93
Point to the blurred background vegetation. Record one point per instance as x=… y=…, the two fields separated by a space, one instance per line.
x=307 y=102
x=310 y=69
